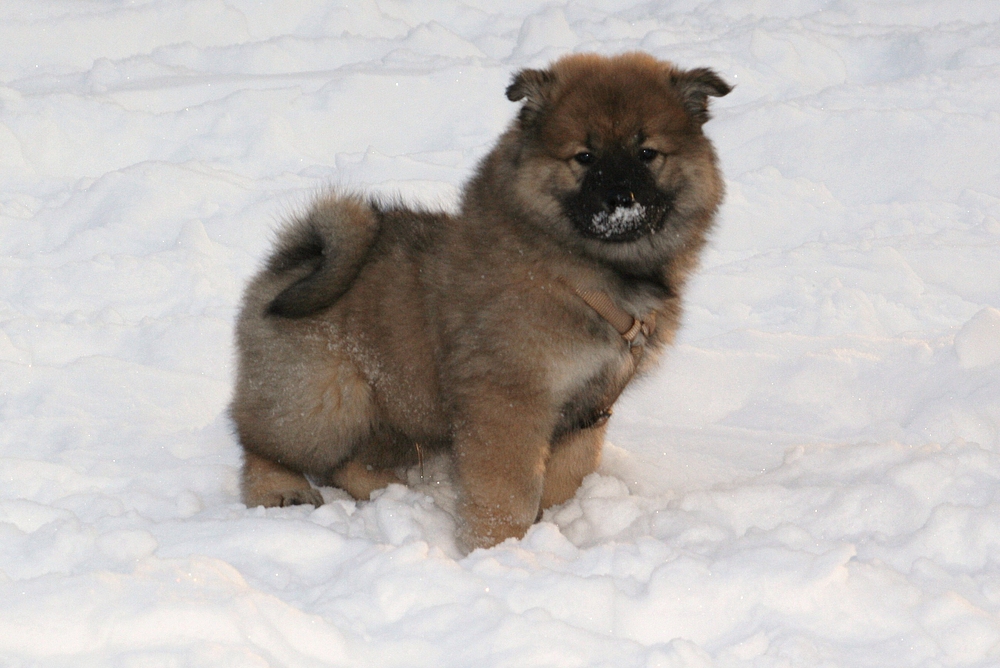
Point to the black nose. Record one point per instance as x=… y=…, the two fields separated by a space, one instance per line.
x=619 y=198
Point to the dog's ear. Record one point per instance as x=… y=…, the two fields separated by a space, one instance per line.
x=532 y=86
x=529 y=85
x=694 y=88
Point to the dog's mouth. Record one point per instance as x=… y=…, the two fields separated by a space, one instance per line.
x=624 y=223
x=618 y=219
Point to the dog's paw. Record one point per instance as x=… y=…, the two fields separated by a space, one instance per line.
x=293 y=497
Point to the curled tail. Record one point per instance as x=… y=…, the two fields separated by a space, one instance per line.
x=335 y=239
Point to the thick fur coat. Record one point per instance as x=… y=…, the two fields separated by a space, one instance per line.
x=378 y=331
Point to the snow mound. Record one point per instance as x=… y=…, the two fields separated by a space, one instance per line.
x=978 y=342
x=811 y=478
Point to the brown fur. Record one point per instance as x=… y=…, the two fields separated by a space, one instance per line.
x=377 y=329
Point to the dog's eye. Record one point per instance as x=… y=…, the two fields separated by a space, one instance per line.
x=584 y=158
x=648 y=154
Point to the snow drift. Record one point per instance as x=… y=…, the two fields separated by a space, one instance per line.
x=812 y=477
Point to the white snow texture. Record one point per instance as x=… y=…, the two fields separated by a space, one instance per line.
x=812 y=478
x=622 y=219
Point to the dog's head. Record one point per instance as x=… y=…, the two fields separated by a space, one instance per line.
x=611 y=152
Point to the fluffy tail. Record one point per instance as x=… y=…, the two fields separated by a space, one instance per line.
x=335 y=239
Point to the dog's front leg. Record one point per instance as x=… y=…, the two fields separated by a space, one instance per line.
x=501 y=446
x=574 y=457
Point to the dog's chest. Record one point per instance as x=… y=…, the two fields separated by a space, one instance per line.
x=586 y=383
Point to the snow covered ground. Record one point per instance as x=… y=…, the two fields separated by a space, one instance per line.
x=811 y=479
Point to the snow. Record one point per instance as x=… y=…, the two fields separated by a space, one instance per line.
x=621 y=220
x=811 y=478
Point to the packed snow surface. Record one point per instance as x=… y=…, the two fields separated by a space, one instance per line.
x=811 y=478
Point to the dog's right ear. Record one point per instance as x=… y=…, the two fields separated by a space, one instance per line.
x=531 y=86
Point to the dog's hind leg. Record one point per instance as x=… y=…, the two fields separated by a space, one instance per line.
x=267 y=483
x=360 y=480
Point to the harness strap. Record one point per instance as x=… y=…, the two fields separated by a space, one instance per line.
x=634 y=331
x=628 y=326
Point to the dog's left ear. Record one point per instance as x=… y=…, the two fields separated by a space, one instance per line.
x=694 y=88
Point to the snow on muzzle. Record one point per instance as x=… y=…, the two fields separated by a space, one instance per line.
x=617 y=201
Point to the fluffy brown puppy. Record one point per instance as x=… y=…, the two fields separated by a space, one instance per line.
x=502 y=334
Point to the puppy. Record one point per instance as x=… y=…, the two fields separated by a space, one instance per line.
x=503 y=334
